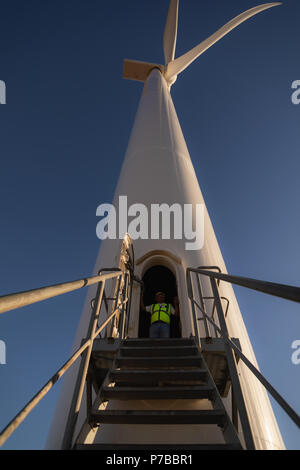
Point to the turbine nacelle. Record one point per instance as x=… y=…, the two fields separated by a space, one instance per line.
x=135 y=70
x=139 y=71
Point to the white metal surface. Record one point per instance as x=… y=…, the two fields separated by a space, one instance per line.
x=181 y=63
x=170 y=33
x=158 y=169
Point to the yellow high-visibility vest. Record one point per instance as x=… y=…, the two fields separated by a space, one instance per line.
x=160 y=312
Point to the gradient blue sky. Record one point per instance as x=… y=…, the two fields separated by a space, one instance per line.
x=63 y=135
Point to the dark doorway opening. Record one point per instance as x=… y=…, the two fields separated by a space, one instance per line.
x=158 y=278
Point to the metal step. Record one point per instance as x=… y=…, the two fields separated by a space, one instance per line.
x=158 y=447
x=148 y=362
x=161 y=369
x=157 y=375
x=159 y=351
x=156 y=342
x=159 y=417
x=157 y=393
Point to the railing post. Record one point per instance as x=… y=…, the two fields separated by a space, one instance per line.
x=208 y=335
x=124 y=312
x=128 y=305
x=114 y=305
x=235 y=383
x=191 y=296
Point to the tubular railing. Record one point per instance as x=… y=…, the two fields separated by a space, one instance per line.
x=119 y=319
x=279 y=290
x=120 y=310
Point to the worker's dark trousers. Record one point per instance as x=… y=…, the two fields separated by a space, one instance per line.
x=159 y=329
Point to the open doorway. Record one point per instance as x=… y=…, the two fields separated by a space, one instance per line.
x=158 y=278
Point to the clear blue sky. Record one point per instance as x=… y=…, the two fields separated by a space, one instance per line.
x=63 y=136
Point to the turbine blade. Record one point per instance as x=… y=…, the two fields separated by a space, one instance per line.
x=178 y=65
x=170 y=33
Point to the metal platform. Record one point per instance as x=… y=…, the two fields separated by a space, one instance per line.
x=212 y=349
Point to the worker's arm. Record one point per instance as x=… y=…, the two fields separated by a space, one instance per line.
x=176 y=306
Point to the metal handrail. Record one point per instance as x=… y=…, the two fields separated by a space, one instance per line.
x=231 y=360
x=279 y=290
x=26 y=298
x=21 y=299
x=214 y=308
x=272 y=288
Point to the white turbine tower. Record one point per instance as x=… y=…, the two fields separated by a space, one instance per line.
x=157 y=169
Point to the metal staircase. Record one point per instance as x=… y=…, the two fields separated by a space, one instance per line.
x=156 y=369
x=197 y=368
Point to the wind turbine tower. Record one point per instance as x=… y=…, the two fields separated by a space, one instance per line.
x=190 y=390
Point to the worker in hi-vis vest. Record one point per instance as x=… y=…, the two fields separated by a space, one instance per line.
x=160 y=313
